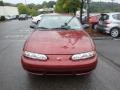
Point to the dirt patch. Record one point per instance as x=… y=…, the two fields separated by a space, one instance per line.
x=95 y=33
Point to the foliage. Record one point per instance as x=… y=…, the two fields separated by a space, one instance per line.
x=2 y=18
x=32 y=5
x=102 y=7
x=6 y=4
x=33 y=12
x=67 y=6
x=51 y=4
x=1 y=3
x=23 y=9
x=30 y=9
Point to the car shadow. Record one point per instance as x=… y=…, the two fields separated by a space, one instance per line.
x=60 y=82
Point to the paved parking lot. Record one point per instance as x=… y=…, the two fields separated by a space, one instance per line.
x=12 y=76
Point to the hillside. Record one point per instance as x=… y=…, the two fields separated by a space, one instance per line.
x=104 y=7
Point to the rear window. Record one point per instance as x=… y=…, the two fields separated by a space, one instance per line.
x=116 y=16
x=104 y=17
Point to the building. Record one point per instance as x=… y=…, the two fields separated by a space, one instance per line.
x=8 y=11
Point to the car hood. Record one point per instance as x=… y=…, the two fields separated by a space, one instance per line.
x=59 y=42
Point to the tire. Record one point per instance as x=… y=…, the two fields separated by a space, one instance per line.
x=38 y=21
x=93 y=26
x=115 y=32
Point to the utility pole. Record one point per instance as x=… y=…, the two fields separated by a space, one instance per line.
x=25 y=2
x=81 y=10
x=88 y=9
x=3 y=6
x=112 y=5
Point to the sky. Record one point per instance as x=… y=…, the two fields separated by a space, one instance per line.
x=40 y=1
x=28 y=1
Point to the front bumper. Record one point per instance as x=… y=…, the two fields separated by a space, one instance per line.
x=59 y=68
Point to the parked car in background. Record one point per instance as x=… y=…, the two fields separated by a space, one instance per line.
x=93 y=20
x=78 y=13
x=29 y=16
x=8 y=17
x=110 y=24
x=14 y=17
x=36 y=19
x=23 y=17
x=84 y=19
x=59 y=46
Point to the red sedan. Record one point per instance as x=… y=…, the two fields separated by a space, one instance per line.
x=59 y=46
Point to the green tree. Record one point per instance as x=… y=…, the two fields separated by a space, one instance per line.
x=33 y=12
x=39 y=6
x=32 y=5
x=51 y=4
x=23 y=9
x=67 y=6
x=30 y=9
x=59 y=6
x=2 y=18
x=1 y=3
x=44 y=4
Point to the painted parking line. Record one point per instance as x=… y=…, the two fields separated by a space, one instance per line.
x=25 y=30
x=102 y=38
x=15 y=36
x=117 y=39
x=105 y=38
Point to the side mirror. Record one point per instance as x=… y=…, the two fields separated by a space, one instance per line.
x=33 y=26
x=86 y=26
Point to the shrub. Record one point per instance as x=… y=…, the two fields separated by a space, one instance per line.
x=2 y=18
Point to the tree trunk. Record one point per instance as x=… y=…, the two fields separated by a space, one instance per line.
x=81 y=11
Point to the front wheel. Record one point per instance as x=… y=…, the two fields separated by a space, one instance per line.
x=38 y=21
x=115 y=32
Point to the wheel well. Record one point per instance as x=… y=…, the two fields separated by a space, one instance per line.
x=115 y=28
x=38 y=21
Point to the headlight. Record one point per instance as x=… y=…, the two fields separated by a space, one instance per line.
x=86 y=55
x=35 y=56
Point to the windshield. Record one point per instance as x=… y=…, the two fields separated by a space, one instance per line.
x=104 y=17
x=116 y=16
x=59 y=22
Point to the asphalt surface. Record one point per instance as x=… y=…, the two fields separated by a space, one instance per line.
x=12 y=76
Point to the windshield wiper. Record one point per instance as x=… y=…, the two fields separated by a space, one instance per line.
x=42 y=27
x=66 y=28
x=66 y=23
x=70 y=20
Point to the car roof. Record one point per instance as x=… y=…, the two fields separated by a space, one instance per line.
x=112 y=13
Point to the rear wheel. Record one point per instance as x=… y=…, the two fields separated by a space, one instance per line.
x=115 y=32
